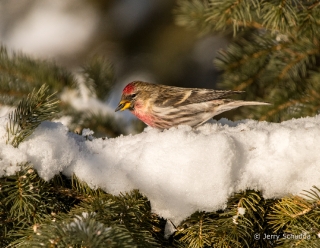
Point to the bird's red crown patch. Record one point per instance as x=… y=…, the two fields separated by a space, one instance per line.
x=128 y=89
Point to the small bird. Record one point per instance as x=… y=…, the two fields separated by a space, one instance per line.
x=162 y=106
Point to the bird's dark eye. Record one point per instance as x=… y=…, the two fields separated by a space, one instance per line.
x=133 y=95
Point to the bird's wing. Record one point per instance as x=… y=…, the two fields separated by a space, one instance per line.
x=177 y=97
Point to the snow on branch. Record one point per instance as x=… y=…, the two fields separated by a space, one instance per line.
x=180 y=170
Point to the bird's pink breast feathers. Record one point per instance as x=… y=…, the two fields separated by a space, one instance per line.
x=143 y=115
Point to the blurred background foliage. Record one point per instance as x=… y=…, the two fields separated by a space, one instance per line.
x=273 y=54
x=88 y=51
x=101 y=46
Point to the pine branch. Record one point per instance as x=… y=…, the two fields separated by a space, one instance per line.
x=99 y=221
x=273 y=55
x=193 y=15
x=283 y=64
x=127 y=221
x=233 y=227
x=134 y=212
x=280 y=15
x=102 y=124
x=299 y=104
x=287 y=211
x=79 y=231
x=236 y=13
x=20 y=74
x=27 y=200
x=236 y=225
x=255 y=47
x=196 y=231
x=83 y=188
x=205 y=16
x=298 y=216
x=296 y=59
x=309 y=20
x=22 y=195
x=31 y=111
x=99 y=76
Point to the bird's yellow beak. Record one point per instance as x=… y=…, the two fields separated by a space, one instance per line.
x=123 y=105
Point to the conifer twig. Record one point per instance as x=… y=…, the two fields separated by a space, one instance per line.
x=31 y=111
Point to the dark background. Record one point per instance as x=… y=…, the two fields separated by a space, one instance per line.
x=138 y=36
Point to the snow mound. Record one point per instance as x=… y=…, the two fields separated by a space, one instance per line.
x=180 y=170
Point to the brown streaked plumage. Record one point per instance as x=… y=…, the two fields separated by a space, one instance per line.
x=162 y=106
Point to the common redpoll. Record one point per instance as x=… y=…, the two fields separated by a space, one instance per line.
x=162 y=106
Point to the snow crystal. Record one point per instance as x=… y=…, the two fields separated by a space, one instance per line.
x=241 y=211
x=87 y=132
x=180 y=170
x=10 y=157
x=51 y=148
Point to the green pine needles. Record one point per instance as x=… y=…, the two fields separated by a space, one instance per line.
x=65 y=212
x=31 y=111
x=99 y=76
x=273 y=55
x=20 y=74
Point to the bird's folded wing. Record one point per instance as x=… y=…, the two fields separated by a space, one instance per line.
x=177 y=97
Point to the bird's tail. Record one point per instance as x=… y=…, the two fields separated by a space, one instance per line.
x=236 y=104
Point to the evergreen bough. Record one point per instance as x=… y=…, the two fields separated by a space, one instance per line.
x=21 y=74
x=273 y=54
x=30 y=112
